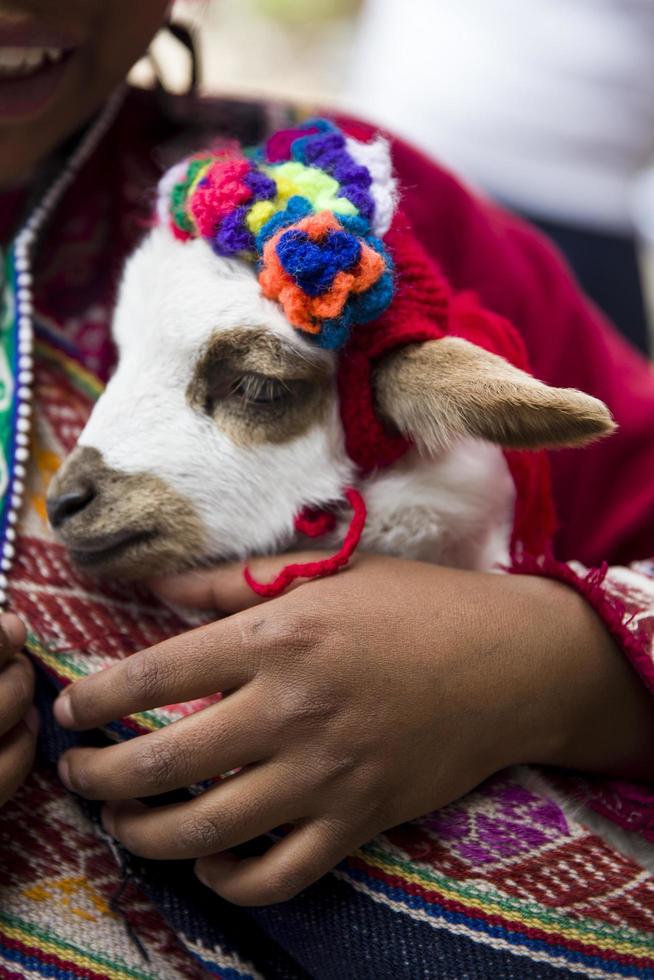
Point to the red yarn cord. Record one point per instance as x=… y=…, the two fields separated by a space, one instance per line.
x=323 y=567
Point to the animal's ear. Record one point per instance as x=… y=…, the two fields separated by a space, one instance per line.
x=376 y=158
x=441 y=390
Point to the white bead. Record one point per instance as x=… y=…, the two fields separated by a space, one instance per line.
x=23 y=391
x=10 y=534
x=22 y=440
x=22 y=425
x=3 y=597
x=19 y=487
x=3 y=582
x=12 y=517
x=5 y=564
x=16 y=501
x=8 y=551
x=20 y=472
x=22 y=264
x=22 y=454
x=24 y=345
x=24 y=279
x=24 y=410
x=25 y=363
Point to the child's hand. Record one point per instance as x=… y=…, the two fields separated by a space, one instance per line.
x=18 y=718
x=355 y=703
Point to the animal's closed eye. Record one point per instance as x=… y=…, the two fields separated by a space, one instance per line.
x=257 y=392
x=260 y=389
x=257 y=389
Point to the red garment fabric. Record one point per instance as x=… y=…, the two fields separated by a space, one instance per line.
x=604 y=494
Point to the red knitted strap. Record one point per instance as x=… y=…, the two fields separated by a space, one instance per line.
x=323 y=567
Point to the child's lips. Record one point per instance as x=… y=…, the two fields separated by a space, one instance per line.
x=29 y=93
x=33 y=62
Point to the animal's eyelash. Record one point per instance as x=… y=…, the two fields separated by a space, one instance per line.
x=259 y=388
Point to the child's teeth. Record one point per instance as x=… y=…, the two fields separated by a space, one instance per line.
x=15 y=61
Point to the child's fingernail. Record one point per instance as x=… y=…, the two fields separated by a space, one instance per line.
x=32 y=721
x=63 y=768
x=63 y=711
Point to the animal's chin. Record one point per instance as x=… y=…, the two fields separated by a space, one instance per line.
x=133 y=556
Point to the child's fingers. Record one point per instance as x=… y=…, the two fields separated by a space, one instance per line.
x=224 y=587
x=17 y=749
x=290 y=866
x=12 y=636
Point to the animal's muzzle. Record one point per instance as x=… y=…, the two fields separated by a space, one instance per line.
x=125 y=524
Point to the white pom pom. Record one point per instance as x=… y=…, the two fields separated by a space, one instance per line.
x=376 y=158
x=165 y=186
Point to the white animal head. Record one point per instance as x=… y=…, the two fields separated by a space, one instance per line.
x=222 y=421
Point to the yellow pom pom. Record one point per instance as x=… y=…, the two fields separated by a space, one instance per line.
x=321 y=190
x=259 y=213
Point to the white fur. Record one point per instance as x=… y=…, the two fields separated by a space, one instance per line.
x=456 y=509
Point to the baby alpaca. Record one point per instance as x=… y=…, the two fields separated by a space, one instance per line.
x=274 y=351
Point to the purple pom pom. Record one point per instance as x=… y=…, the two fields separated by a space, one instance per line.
x=262 y=187
x=232 y=235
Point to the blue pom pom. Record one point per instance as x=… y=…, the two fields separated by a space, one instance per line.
x=358 y=226
x=375 y=301
x=297 y=208
x=314 y=265
x=335 y=333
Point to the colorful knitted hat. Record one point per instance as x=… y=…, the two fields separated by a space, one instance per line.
x=309 y=207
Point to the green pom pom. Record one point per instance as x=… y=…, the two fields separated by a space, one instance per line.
x=179 y=196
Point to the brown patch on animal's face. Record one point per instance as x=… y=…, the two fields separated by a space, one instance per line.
x=258 y=389
x=446 y=389
x=130 y=525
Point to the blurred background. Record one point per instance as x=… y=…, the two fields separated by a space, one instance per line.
x=547 y=106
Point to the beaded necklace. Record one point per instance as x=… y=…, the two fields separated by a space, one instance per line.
x=17 y=341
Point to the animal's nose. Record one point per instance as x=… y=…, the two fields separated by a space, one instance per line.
x=71 y=502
